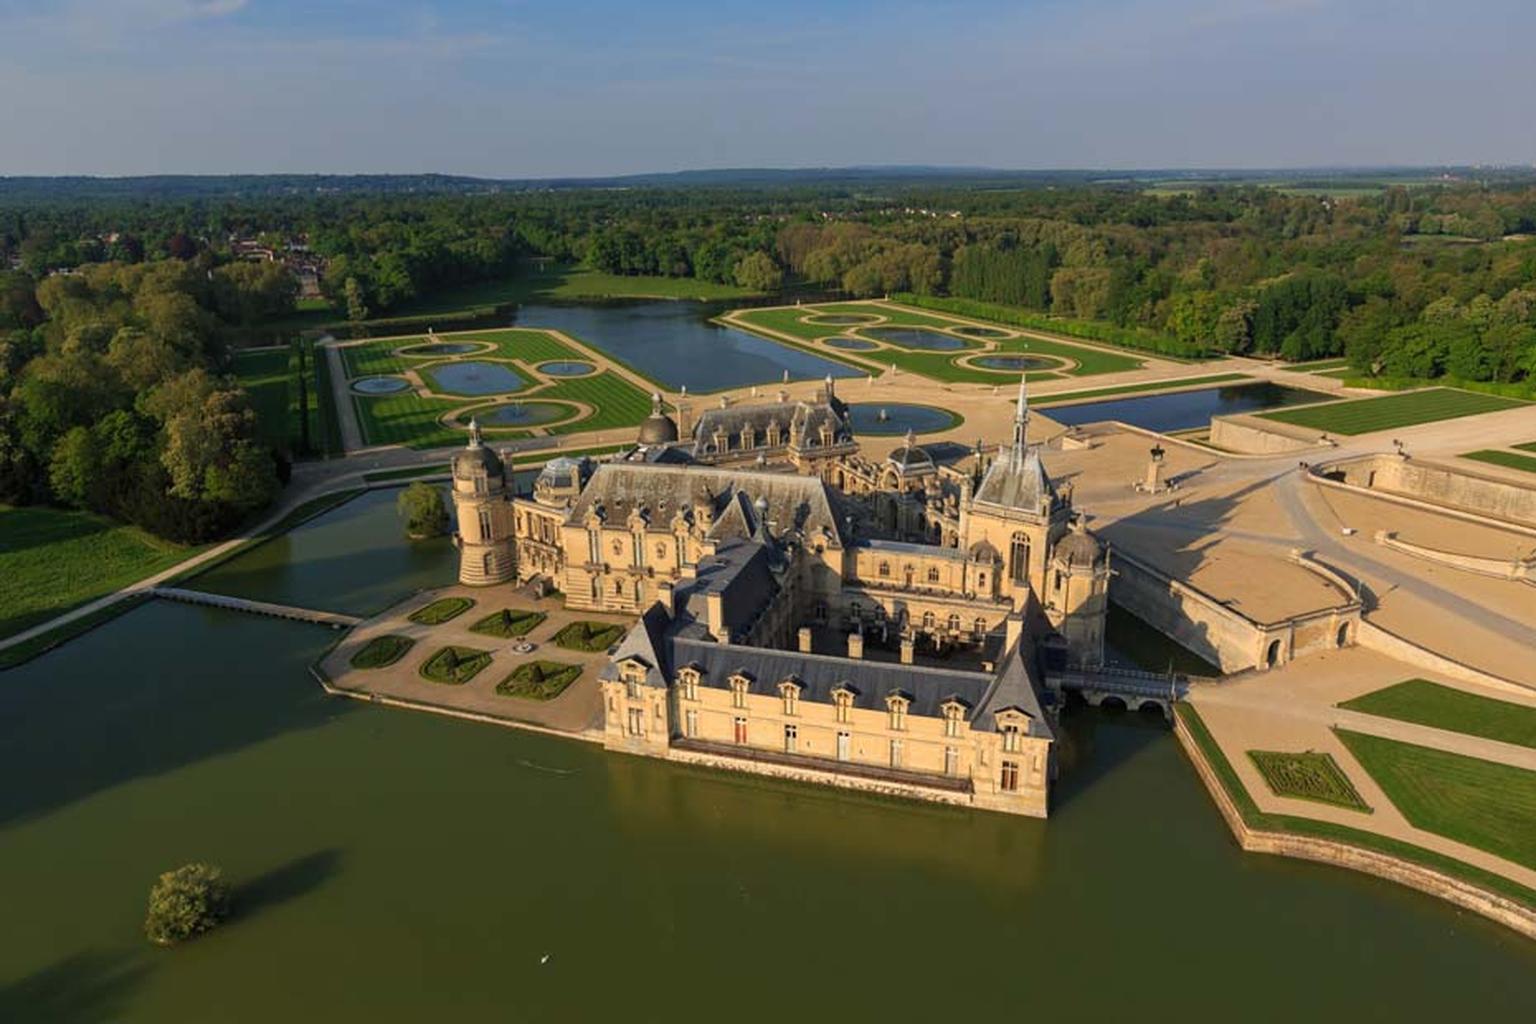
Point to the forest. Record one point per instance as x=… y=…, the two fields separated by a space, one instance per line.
x=118 y=310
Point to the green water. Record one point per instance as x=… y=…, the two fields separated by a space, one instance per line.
x=403 y=867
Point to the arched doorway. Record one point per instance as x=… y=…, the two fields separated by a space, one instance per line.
x=1344 y=634
x=1272 y=654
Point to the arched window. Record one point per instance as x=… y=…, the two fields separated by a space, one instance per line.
x=954 y=711
x=954 y=622
x=1018 y=558
x=842 y=700
x=980 y=627
x=929 y=621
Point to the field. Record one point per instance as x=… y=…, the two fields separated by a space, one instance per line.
x=1307 y=776
x=1510 y=460
x=1443 y=707
x=52 y=560
x=1393 y=411
x=1082 y=360
x=270 y=377
x=1480 y=803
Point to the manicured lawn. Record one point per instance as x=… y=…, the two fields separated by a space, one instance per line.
x=1307 y=776
x=560 y=281
x=539 y=680
x=1393 y=411
x=617 y=402
x=1319 y=364
x=441 y=611
x=263 y=373
x=1444 y=707
x=1530 y=446
x=508 y=622
x=1128 y=389
x=589 y=636
x=407 y=419
x=935 y=365
x=381 y=651
x=1511 y=460
x=1293 y=824
x=454 y=666
x=1481 y=803
x=408 y=473
x=53 y=559
x=526 y=345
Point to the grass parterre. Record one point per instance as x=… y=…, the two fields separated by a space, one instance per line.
x=441 y=610
x=454 y=666
x=382 y=651
x=589 y=636
x=1307 y=776
x=1444 y=707
x=508 y=623
x=1390 y=412
x=539 y=680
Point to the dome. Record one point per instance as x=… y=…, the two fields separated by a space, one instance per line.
x=658 y=427
x=1079 y=550
x=911 y=457
x=476 y=458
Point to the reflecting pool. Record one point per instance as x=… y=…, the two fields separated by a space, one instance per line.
x=524 y=414
x=841 y=319
x=877 y=418
x=982 y=332
x=566 y=368
x=445 y=348
x=679 y=344
x=383 y=385
x=919 y=338
x=473 y=377
x=1185 y=410
x=1015 y=363
x=851 y=344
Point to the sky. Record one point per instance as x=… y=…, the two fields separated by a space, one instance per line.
x=541 y=88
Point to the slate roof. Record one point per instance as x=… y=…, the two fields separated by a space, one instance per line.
x=1013 y=687
x=740 y=572
x=806 y=417
x=897 y=547
x=644 y=642
x=1016 y=480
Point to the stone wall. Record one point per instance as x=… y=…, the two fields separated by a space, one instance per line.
x=1443 y=486
x=1522 y=570
x=1210 y=629
x=1247 y=435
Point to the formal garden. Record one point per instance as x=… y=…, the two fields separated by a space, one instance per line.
x=1307 y=776
x=382 y=651
x=442 y=610
x=508 y=623
x=539 y=680
x=589 y=636
x=1391 y=412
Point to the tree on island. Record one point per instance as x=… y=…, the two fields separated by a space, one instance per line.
x=185 y=903
x=421 y=506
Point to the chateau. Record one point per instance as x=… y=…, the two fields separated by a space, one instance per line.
x=804 y=611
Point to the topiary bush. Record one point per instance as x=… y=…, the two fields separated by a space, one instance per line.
x=185 y=903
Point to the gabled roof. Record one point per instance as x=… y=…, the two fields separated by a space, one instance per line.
x=644 y=643
x=1014 y=687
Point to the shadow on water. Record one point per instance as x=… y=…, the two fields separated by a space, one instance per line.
x=87 y=987
x=117 y=704
x=285 y=882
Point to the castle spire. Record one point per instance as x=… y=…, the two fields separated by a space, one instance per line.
x=1020 y=420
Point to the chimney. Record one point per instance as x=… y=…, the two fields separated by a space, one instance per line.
x=856 y=645
x=804 y=638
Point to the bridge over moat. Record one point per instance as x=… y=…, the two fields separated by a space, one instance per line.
x=335 y=620
x=1135 y=689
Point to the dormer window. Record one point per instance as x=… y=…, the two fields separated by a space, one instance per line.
x=688 y=679
x=1013 y=737
x=739 y=685
x=897 y=704
x=789 y=690
x=842 y=701
x=954 y=714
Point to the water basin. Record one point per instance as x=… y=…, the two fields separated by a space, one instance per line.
x=982 y=332
x=841 y=319
x=523 y=414
x=881 y=418
x=444 y=348
x=473 y=377
x=1015 y=363
x=384 y=385
x=566 y=368
x=919 y=338
x=851 y=344
x=1186 y=410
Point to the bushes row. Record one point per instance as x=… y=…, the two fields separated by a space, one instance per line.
x=1137 y=338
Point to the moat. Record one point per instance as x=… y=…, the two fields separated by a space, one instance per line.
x=392 y=861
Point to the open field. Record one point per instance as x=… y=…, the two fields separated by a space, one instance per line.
x=1510 y=460
x=1484 y=804
x=1293 y=824
x=1390 y=412
x=1444 y=707
x=1082 y=360
x=52 y=560
x=1307 y=776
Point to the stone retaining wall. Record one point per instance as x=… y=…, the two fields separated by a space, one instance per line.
x=1521 y=570
x=1441 y=486
x=1356 y=858
x=1240 y=434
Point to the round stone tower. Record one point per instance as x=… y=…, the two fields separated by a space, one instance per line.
x=483 y=513
x=1078 y=593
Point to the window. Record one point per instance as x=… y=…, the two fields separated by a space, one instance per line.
x=618 y=587
x=952 y=713
x=1009 y=782
x=929 y=621
x=1018 y=558
x=898 y=709
x=791 y=694
x=885 y=569
x=844 y=741
x=741 y=729
x=485 y=524
x=632 y=688
x=1058 y=581
x=594 y=547
x=636 y=721
x=791 y=738
x=690 y=681
x=951 y=761
x=738 y=692
x=933 y=574
x=954 y=622
x=981 y=580
x=1012 y=739
x=844 y=701
x=980 y=627
x=898 y=753
x=690 y=723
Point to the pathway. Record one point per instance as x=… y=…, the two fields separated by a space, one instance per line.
x=336 y=620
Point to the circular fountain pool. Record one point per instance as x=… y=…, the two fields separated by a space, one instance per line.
x=876 y=418
x=382 y=385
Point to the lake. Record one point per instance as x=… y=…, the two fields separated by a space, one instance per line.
x=397 y=866
x=678 y=344
x=1185 y=410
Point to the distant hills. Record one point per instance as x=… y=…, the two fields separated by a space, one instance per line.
x=173 y=186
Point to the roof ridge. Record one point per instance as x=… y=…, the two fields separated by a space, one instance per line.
x=923 y=669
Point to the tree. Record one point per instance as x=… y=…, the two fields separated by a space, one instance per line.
x=421 y=506
x=758 y=272
x=357 y=308
x=185 y=903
